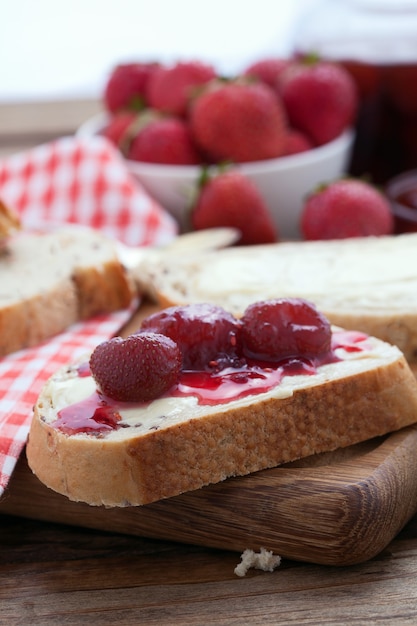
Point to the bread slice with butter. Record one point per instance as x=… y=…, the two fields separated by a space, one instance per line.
x=172 y=445
x=367 y=284
x=50 y=281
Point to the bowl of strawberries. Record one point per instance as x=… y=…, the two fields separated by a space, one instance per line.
x=275 y=131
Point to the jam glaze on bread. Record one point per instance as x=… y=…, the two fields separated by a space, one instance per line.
x=105 y=452
x=50 y=281
x=367 y=284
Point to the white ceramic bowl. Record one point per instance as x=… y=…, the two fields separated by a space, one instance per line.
x=283 y=182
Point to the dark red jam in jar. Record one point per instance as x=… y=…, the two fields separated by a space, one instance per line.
x=98 y=414
x=375 y=40
x=386 y=128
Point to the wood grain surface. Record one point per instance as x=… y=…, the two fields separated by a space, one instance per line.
x=334 y=509
x=53 y=575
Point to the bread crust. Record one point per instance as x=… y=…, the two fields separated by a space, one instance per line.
x=29 y=322
x=102 y=289
x=9 y=223
x=86 y=279
x=235 y=441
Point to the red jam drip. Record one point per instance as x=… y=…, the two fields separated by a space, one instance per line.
x=95 y=414
x=350 y=341
x=99 y=414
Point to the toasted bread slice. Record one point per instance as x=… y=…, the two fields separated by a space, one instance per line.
x=50 y=281
x=177 y=444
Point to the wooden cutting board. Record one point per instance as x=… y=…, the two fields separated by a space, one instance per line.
x=336 y=509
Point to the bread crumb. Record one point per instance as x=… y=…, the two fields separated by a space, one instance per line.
x=264 y=560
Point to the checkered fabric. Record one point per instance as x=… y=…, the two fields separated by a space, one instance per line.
x=83 y=181
x=71 y=180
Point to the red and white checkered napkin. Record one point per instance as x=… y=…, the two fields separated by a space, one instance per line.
x=22 y=375
x=71 y=180
x=83 y=181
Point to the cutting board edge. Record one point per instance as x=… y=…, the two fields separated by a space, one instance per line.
x=27 y=497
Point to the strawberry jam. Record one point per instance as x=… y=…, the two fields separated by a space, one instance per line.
x=95 y=414
x=99 y=414
x=236 y=383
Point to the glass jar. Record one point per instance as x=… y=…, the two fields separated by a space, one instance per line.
x=376 y=40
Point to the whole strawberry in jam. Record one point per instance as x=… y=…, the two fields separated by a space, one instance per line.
x=136 y=369
x=127 y=86
x=171 y=88
x=231 y=199
x=204 y=333
x=320 y=98
x=238 y=121
x=165 y=140
x=346 y=208
x=286 y=327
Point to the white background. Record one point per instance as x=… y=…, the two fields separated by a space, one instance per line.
x=56 y=49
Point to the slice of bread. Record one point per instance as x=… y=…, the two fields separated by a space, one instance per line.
x=369 y=284
x=173 y=445
x=50 y=281
x=9 y=223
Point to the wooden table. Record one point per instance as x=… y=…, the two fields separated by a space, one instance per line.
x=55 y=574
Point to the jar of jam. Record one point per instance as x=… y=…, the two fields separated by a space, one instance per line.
x=376 y=40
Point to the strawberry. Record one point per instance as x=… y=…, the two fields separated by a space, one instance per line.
x=284 y=327
x=296 y=142
x=127 y=86
x=137 y=369
x=231 y=199
x=239 y=121
x=164 y=140
x=267 y=70
x=205 y=333
x=119 y=128
x=171 y=88
x=320 y=98
x=346 y=208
